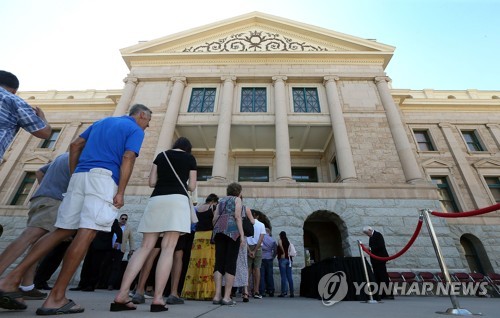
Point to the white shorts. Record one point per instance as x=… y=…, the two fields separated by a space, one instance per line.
x=88 y=203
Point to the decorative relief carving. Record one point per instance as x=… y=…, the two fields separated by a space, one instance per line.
x=255 y=41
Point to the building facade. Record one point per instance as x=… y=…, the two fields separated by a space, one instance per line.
x=307 y=121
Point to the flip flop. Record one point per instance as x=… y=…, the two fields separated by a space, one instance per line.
x=115 y=306
x=158 y=308
x=8 y=300
x=63 y=310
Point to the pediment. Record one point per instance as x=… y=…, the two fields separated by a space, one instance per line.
x=487 y=163
x=433 y=163
x=257 y=34
x=36 y=159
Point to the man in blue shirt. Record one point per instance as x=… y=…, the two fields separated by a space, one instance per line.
x=102 y=159
x=16 y=113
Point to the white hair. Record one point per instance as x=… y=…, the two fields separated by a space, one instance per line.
x=367 y=228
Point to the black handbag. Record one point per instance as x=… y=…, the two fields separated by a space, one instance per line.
x=247 y=227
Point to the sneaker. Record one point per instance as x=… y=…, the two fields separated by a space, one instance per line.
x=138 y=299
x=173 y=300
x=257 y=296
x=149 y=294
x=33 y=294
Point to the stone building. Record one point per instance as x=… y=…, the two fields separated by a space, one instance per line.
x=307 y=121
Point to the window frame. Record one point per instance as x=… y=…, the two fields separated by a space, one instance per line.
x=304 y=88
x=47 y=143
x=305 y=168
x=253 y=88
x=489 y=186
x=428 y=139
x=450 y=191
x=204 y=88
x=199 y=175
x=474 y=133
x=24 y=180
x=253 y=167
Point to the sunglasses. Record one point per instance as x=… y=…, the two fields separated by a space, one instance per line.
x=124 y=219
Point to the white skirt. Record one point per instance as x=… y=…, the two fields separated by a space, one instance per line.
x=166 y=213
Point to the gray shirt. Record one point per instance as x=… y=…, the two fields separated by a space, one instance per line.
x=56 y=179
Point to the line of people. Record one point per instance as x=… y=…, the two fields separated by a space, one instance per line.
x=93 y=177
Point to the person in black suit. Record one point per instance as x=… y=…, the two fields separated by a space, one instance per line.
x=377 y=247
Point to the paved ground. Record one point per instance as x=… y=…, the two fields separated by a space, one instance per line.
x=97 y=305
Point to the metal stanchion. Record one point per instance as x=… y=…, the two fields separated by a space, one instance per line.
x=456 y=310
x=371 y=300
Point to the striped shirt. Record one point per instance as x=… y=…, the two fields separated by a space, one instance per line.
x=15 y=113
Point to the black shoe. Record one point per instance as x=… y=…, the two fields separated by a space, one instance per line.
x=43 y=286
x=271 y=294
x=88 y=289
x=292 y=295
x=77 y=288
x=282 y=295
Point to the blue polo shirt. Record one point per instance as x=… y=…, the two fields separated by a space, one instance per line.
x=106 y=142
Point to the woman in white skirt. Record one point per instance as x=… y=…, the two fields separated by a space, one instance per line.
x=168 y=212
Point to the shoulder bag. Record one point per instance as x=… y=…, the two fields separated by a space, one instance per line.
x=194 y=218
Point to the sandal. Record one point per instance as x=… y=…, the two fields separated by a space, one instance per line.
x=245 y=298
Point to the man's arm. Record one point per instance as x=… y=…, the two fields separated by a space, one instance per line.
x=75 y=150
x=45 y=132
x=128 y=161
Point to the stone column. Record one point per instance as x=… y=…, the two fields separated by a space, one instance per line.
x=166 y=135
x=221 y=156
x=128 y=92
x=17 y=148
x=343 y=150
x=283 y=160
x=474 y=187
x=495 y=131
x=70 y=132
x=406 y=156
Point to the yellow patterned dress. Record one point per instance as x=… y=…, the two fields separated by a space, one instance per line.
x=199 y=282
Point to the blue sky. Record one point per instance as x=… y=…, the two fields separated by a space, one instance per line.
x=74 y=44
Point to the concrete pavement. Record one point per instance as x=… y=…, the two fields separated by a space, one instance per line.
x=97 y=305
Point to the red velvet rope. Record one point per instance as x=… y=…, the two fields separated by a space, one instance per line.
x=407 y=246
x=468 y=213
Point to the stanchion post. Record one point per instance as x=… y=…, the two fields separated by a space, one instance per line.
x=456 y=310
x=371 y=300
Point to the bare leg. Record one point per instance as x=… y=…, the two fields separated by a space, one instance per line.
x=229 y=285
x=135 y=264
x=74 y=256
x=17 y=247
x=145 y=271
x=164 y=265
x=29 y=276
x=176 y=272
x=256 y=280
x=218 y=286
x=41 y=248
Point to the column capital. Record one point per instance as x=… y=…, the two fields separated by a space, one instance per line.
x=131 y=80
x=279 y=78
x=379 y=79
x=228 y=78
x=179 y=79
x=444 y=125
x=330 y=78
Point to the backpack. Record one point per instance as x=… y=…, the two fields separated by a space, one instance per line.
x=291 y=250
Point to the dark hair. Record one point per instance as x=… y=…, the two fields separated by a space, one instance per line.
x=212 y=197
x=124 y=214
x=137 y=108
x=283 y=235
x=234 y=189
x=8 y=79
x=182 y=143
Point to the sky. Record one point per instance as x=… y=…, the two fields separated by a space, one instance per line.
x=75 y=44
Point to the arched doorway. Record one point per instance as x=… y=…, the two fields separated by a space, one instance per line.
x=476 y=256
x=325 y=236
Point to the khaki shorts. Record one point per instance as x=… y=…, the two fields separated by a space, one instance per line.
x=88 y=204
x=257 y=260
x=43 y=213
